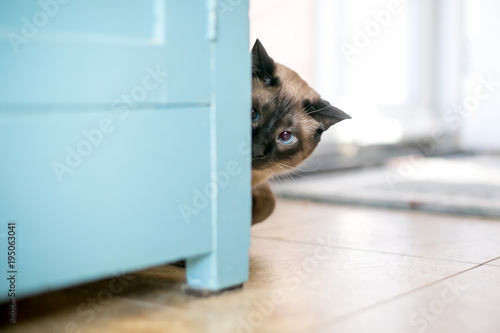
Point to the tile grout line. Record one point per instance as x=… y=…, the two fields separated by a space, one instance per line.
x=366 y=250
x=495 y=265
x=368 y=307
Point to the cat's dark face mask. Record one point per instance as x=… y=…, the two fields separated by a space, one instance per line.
x=288 y=117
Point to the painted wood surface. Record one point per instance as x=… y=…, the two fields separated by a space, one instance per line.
x=124 y=141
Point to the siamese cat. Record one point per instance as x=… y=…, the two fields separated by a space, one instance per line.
x=288 y=118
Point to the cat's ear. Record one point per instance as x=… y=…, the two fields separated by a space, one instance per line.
x=263 y=65
x=324 y=113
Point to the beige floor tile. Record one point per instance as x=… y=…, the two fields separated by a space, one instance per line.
x=296 y=285
x=74 y=314
x=80 y=309
x=290 y=211
x=293 y=286
x=126 y=315
x=427 y=235
x=162 y=319
x=464 y=303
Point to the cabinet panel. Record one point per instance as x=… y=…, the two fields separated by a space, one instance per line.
x=115 y=156
x=95 y=52
x=94 y=194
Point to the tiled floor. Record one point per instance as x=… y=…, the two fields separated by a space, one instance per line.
x=314 y=268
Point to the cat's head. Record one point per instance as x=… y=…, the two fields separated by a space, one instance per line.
x=288 y=116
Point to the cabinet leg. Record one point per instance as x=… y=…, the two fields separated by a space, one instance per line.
x=226 y=267
x=207 y=293
x=217 y=272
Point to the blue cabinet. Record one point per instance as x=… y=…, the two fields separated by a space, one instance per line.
x=124 y=141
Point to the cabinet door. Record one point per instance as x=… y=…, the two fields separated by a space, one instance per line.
x=93 y=51
x=104 y=137
x=93 y=195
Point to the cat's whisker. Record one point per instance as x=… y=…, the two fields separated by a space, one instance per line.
x=284 y=166
x=291 y=171
x=297 y=171
x=283 y=176
x=301 y=168
x=279 y=167
x=286 y=171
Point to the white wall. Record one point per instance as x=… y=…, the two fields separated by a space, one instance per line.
x=286 y=29
x=290 y=32
x=481 y=130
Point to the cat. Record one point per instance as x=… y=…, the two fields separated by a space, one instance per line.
x=288 y=118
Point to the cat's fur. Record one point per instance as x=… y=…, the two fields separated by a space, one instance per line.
x=284 y=102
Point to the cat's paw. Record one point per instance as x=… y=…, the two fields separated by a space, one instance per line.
x=263 y=203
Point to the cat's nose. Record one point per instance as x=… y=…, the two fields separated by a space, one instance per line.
x=258 y=151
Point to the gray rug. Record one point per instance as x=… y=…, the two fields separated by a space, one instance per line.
x=462 y=185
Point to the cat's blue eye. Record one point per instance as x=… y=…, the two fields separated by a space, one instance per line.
x=255 y=115
x=286 y=137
